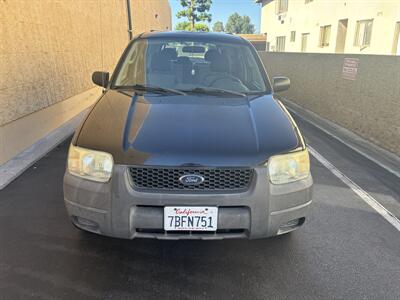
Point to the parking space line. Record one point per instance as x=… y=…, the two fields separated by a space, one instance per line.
x=349 y=134
x=371 y=201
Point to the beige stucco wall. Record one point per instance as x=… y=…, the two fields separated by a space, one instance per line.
x=368 y=105
x=304 y=17
x=48 y=51
x=151 y=14
x=50 y=48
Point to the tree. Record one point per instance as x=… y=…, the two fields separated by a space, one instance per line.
x=185 y=25
x=218 y=26
x=238 y=24
x=195 y=11
x=247 y=27
x=201 y=27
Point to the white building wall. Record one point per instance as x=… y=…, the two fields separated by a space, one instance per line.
x=308 y=18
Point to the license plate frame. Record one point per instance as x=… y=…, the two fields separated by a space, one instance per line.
x=190 y=218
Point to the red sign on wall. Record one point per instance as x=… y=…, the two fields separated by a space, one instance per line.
x=350 y=68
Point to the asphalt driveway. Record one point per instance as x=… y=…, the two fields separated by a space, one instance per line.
x=345 y=249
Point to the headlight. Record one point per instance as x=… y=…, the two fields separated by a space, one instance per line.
x=289 y=167
x=90 y=164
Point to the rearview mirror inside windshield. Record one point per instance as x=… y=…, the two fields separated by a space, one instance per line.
x=193 y=49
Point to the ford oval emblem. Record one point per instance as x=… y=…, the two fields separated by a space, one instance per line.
x=191 y=179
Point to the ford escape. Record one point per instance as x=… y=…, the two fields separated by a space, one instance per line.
x=188 y=142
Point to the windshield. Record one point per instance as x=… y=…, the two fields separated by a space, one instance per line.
x=188 y=65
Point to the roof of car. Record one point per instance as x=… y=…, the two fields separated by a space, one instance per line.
x=201 y=36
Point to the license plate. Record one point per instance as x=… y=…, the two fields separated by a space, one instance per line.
x=190 y=218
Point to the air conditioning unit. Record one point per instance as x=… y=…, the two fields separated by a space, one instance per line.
x=281 y=17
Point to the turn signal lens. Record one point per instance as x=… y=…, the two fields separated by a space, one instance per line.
x=90 y=164
x=289 y=167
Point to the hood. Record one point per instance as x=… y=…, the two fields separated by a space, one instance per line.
x=198 y=130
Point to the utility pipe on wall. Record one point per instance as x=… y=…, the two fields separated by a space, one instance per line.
x=128 y=12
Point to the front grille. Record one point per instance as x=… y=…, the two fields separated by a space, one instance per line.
x=167 y=179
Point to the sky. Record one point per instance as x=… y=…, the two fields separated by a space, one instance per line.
x=222 y=9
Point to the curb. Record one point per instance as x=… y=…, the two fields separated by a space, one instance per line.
x=383 y=158
x=17 y=165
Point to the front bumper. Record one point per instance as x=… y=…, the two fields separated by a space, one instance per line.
x=116 y=209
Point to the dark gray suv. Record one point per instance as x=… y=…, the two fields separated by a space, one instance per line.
x=188 y=142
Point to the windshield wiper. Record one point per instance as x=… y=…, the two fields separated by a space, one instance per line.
x=257 y=92
x=150 y=88
x=214 y=91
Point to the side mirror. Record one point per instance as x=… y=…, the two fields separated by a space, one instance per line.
x=280 y=84
x=101 y=78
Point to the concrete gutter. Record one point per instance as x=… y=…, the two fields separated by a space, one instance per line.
x=385 y=159
x=16 y=166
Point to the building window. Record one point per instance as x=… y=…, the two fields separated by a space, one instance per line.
x=308 y=1
x=280 y=44
x=281 y=6
x=304 y=39
x=396 y=41
x=324 y=35
x=292 y=36
x=363 y=35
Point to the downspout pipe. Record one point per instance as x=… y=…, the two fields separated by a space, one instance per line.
x=128 y=12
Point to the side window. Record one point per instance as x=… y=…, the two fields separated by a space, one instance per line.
x=254 y=78
x=133 y=71
x=232 y=58
x=242 y=70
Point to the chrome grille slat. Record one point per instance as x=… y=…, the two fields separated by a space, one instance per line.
x=154 y=179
